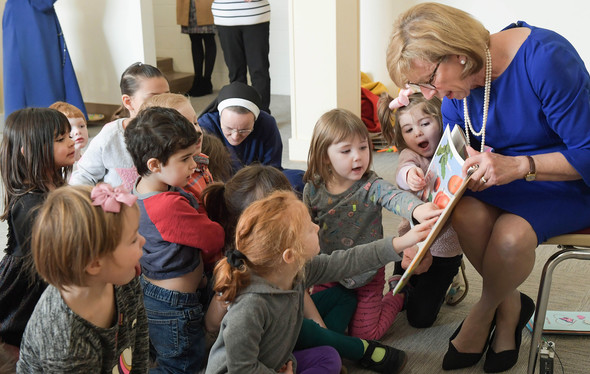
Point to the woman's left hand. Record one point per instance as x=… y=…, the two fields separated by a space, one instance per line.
x=491 y=169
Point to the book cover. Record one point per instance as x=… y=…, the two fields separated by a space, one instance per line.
x=445 y=185
x=562 y=322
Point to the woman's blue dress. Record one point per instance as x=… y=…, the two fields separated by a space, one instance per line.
x=38 y=70
x=539 y=104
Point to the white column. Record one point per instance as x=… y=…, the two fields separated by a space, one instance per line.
x=325 y=65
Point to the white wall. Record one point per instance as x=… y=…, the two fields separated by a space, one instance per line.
x=104 y=37
x=568 y=17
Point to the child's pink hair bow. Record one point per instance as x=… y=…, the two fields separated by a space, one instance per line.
x=402 y=99
x=110 y=198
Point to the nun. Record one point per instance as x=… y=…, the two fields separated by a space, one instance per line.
x=250 y=135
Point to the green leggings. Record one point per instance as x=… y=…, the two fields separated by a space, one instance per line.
x=336 y=305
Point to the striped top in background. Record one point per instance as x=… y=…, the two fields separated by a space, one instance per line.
x=240 y=13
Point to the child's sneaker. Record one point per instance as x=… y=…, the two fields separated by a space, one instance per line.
x=393 y=362
x=458 y=288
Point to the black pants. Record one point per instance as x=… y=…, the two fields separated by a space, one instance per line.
x=204 y=51
x=426 y=291
x=245 y=48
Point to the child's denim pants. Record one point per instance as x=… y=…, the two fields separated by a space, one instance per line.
x=177 y=336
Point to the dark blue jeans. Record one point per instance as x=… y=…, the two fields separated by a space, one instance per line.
x=177 y=336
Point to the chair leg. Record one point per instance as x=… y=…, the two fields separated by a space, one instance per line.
x=567 y=252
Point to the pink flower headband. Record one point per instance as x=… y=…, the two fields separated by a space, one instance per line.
x=402 y=99
x=110 y=198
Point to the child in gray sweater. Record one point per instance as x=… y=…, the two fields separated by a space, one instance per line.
x=264 y=280
x=91 y=317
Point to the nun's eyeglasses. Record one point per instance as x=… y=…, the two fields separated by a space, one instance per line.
x=229 y=132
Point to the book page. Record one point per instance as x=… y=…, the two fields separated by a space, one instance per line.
x=445 y=185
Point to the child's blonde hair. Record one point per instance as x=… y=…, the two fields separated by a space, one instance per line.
x=68 y=110
x=265 y=230
x=390 y=127
x=69 y=233
x=332 y=127
x=166 y=100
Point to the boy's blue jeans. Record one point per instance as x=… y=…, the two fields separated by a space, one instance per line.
x=177 y=336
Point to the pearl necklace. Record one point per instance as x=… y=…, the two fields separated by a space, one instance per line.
x=486 y=104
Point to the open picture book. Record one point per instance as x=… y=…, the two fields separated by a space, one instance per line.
x=564 y=322
x=445 y=185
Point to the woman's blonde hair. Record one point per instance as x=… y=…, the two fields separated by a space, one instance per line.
x=390 y=126
x=332 y=127
x=69 y=233
x=430 y=32
x=265 y=230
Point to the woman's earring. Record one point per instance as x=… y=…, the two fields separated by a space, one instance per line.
x=462 y=62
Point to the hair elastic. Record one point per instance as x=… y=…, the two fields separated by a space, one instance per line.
x=235 y=258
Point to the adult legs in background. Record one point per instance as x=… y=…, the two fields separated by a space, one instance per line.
x=204 y=51
x=246 y=48
x=426 y=292
x=232 y=44
x=257 y=47
x=501 y=247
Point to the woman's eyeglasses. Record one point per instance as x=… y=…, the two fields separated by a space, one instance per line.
x=229 y=132
x=428 y=85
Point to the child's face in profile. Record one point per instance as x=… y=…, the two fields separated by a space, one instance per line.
x=122 y=265
x=310 y=239
x=63 y=151
x=179 y=167
x=79 y=132
x=420 y=131
x=187 y=110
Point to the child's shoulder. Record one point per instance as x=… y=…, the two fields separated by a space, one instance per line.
x=112 y=129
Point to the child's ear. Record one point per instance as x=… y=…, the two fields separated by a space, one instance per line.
x=289 y=256
x=126 y=99
x=94 y=267
x=154 y=165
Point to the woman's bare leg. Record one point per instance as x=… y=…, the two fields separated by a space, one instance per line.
x=501 y=248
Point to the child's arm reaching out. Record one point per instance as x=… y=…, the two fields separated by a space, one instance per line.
x=346 y=263
x=415 y=179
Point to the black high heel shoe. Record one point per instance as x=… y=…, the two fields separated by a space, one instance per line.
x=457 y=360
x=502 y=361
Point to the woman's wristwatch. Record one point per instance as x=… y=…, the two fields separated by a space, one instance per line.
x=532 y=174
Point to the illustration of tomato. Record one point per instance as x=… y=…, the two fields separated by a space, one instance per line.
x=454 y=183
x=441 y=200
x=436 y=184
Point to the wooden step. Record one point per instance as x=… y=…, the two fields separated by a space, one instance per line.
x=180 y=82
x=164 y=64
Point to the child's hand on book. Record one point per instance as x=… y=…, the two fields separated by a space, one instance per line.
x=410 y=253
x=416 y=234
x=426 y=211
x=415 y=179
